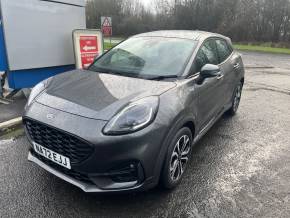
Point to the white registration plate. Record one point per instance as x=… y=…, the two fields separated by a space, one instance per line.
x=53 y=156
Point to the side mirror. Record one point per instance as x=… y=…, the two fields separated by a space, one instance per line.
x=209 y=71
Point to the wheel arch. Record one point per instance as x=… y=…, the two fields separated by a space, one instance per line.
x=190 y=124
x=180 y=122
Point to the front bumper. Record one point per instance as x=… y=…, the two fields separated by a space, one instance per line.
x=89 y=188
x=142 y=148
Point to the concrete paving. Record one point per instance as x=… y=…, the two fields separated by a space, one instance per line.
x=239 y=169
x=13 y=110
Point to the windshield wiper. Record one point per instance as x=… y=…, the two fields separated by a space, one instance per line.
x=162 y=77
x=129 y=74
x=113 y=72
x=105 y=71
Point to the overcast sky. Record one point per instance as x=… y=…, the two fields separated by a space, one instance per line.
x=147 y=3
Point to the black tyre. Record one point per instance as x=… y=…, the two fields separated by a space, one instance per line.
x=177 y=158
x=236 y=100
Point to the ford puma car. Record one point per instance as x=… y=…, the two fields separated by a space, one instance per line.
x=129 y=121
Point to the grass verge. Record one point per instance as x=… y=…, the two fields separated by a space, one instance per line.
x=262 y=49
x=108 y=45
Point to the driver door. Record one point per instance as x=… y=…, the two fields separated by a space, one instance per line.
x=210 y=90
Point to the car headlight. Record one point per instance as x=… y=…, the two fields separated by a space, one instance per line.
x=133 y=117
x=39 y=88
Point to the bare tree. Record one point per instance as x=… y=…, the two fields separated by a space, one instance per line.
x=243 y=20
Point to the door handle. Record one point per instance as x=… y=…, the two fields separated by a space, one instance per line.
x=237 y=66
x=220 y=76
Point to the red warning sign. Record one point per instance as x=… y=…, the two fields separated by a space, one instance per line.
x=107 y=26
x=107 y=31
x=89 y=50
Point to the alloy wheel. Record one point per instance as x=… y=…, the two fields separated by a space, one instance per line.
x=237 y=98
x=179 y=158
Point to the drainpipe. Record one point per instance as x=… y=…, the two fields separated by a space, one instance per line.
x=1 y=85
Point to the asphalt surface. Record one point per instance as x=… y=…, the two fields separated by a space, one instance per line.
x=241 y=168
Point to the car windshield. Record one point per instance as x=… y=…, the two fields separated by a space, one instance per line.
x=147 y=57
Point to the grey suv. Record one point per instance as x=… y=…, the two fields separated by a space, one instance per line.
x=130 y=120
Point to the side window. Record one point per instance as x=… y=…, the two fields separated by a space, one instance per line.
x=223 y=49
x=206 y=55
x=209 y=50
x=200 y=61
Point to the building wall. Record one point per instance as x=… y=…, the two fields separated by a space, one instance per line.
x=38 y=34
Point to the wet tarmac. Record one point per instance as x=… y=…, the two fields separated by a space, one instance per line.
x=241 y=168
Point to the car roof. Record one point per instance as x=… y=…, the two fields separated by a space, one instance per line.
x=183 y=34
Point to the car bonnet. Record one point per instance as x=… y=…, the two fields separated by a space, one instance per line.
x=96 y=95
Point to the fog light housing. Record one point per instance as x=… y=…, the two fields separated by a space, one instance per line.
x=123 y=176
x=129 y=172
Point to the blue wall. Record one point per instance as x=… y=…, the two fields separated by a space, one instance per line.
x=3 y=59
x=29 y=78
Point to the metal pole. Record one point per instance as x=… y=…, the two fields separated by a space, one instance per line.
x=1 y=89
x=2 y=82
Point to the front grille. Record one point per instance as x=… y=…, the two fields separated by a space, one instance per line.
x=75 y=149
x=71 y=173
